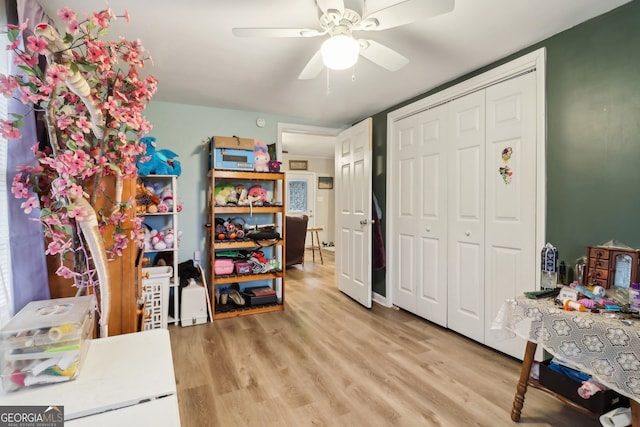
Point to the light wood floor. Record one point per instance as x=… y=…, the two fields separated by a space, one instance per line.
x=327 y=361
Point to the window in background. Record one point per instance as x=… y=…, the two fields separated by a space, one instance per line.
x=297 y=196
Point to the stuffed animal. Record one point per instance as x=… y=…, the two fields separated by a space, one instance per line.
x=146 y=200
x=226 y=195
x=258 y=193
x=166 y=201
x=261 y=156
x=157 y=162
x=274 y=166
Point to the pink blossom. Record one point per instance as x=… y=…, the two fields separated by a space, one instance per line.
x=66 y=14
x=102 y=18
x=64 y=271
x=8 y=85
x=73 y=27
x=76 y=212
x=8 y=130
x=29 y=205
x=56 y=74
x=19 y=190
x=63 y=121
x=36 y=44
x=83 y=124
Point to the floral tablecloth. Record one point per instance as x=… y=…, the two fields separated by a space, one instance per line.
x=601 y=345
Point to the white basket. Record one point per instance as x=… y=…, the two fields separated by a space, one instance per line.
x=155 y=291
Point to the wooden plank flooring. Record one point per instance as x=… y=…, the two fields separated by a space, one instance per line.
x=327 y=361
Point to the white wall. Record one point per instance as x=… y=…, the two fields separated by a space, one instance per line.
x=184 y=129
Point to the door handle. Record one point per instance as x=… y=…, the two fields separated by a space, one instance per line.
x=363 y=222
x=467 y=233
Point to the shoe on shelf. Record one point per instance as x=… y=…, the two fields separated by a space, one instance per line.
x=236 y=297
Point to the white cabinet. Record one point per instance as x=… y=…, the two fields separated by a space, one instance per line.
x=161 y=217
x=462 y=230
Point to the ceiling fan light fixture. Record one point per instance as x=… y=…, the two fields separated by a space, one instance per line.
x=340 y=52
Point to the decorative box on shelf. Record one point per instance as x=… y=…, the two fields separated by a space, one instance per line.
x=232 y=153
x=45 y=342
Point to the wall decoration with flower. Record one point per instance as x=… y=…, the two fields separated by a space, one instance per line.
x=505 y=171
x=91 y=96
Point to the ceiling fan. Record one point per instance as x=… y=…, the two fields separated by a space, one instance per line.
x=339 y=19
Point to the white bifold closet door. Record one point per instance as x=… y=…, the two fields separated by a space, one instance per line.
x=466 y=201
x=510 y=211
x=463 y=233
x=420 y=216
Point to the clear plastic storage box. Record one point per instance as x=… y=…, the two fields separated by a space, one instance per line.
x=45 y=342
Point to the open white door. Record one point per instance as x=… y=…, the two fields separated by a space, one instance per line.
x=353 y=212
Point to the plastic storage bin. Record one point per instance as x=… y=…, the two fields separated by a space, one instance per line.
x=193 y=305
x=223 y=266
x=45 y=342
x=156 y=282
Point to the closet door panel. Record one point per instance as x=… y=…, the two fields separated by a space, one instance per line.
x=466 y=215
x=511 y=256
x=431 y=228
x=404 y=212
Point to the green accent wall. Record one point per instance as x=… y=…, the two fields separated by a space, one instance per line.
x=593 y=134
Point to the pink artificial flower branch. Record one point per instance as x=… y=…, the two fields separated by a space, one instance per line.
x=92 y=97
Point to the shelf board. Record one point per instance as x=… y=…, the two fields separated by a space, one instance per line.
x=157 y=214
x=258 y=176
x=151 y=176
x=245 y=311
x=244 y=244
x=248 y=210
x=149 y=251
x=235 y=278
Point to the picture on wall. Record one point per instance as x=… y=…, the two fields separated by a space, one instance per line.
x=325 y=182
x=298 y=165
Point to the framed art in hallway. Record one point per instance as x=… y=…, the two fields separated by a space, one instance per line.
x=298 y=165
x=325 y=182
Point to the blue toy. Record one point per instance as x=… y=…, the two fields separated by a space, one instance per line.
x=157 y=162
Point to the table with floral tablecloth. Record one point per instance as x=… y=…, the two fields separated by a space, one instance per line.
x=603 y=345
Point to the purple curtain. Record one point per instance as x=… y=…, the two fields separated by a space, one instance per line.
x=28 y=265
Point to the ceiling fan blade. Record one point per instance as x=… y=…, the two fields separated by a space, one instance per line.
x=404 y=13
x=382 y=55
x=313 y=67
x=276 y=32
x=327 y=6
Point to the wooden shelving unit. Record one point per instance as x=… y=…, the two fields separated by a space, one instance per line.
x=275 y=212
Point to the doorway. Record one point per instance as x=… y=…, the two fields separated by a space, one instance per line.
x=314 y=147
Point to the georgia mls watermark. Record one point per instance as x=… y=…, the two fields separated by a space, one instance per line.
x=31 y=416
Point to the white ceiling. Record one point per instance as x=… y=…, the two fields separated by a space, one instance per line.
x=198 y=61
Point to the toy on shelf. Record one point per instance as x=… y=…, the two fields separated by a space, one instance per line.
x=157 y=162
x=146 y=200
x=261 y=156
x=152 y=198
x=274 y=166
x=159 y=240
